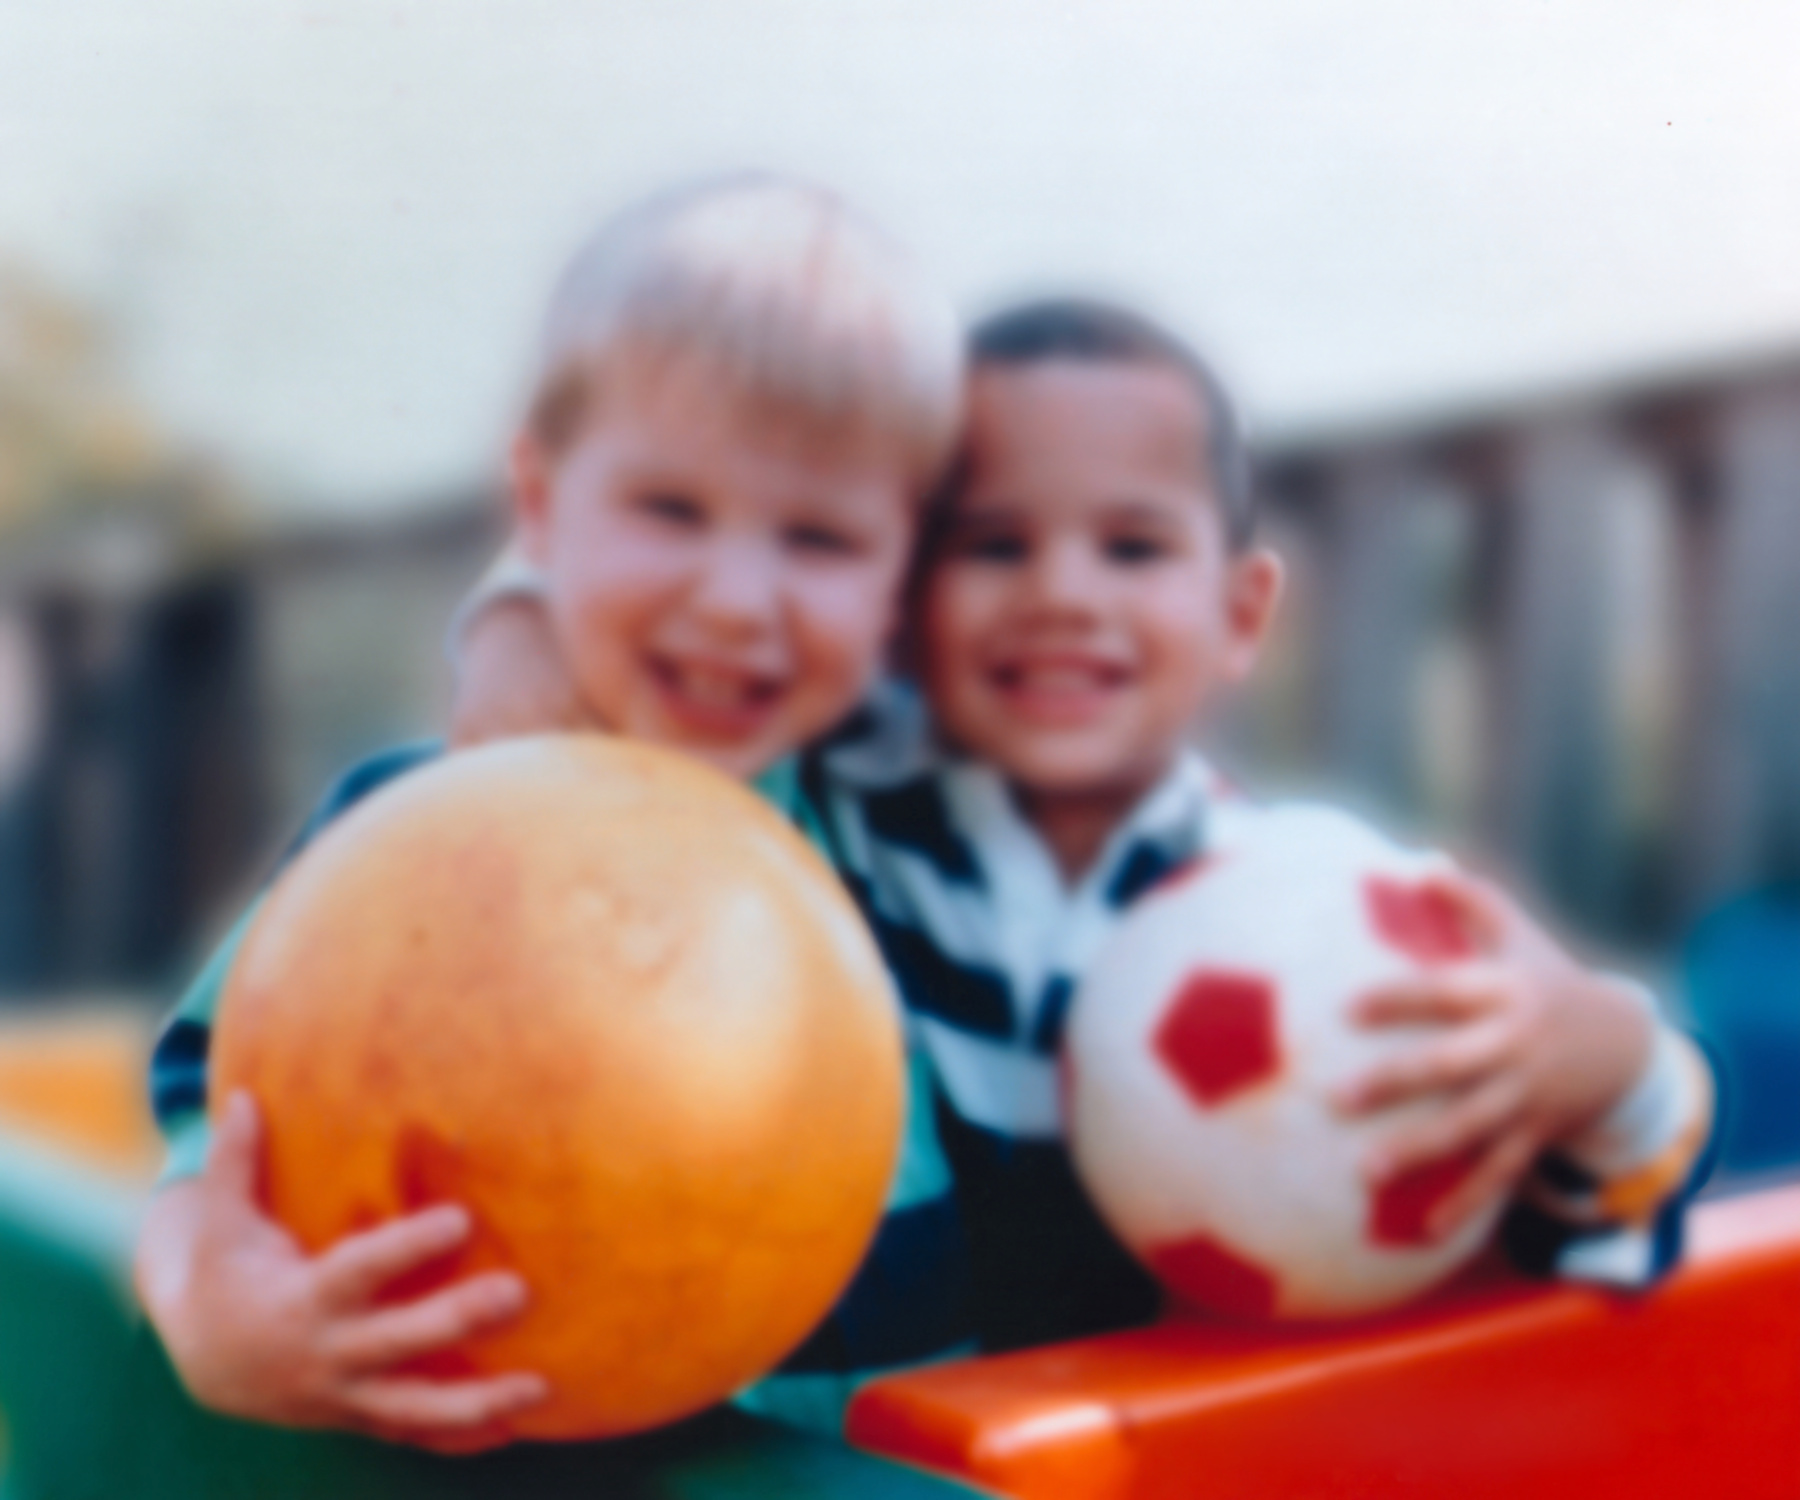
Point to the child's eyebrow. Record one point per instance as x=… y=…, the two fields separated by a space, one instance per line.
x=1135 y=509
x=654 y=473
x=821 y=514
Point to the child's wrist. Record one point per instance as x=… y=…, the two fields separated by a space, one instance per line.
x=1664 y=1109
x=189 y=1139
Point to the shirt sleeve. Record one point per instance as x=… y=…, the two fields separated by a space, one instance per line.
x=511 y=575
x=178 y=1065
x=1607 y=1205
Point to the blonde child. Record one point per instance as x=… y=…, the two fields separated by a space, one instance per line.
x=744 y=391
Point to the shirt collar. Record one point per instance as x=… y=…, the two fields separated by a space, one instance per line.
x=1166 y=828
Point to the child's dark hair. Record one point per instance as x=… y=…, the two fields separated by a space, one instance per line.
x=1073 y=328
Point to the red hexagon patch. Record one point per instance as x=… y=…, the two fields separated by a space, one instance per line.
x=1204 y=1272
x=1402 y=1207
x=1218 y=1035
x=1421 y=918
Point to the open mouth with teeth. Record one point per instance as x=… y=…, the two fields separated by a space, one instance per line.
x=1061 y=690
x=714 y=699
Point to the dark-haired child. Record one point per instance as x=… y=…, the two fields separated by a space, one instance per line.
x=1091 y=592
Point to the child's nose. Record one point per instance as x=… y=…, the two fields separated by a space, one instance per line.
x=738 y=587
x=1064 y=579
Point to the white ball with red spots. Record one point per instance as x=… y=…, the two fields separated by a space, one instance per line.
x=1201 y=1053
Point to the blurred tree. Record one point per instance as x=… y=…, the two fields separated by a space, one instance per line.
x=127 y=703
x=73 y=438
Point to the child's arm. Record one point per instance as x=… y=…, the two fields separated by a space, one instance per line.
x=510 y=677
x=259 y=1329
x=1546 y=1069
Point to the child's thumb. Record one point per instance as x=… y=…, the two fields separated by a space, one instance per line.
x=235 y=1158
x=1478 y=907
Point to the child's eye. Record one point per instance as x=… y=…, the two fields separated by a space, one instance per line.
x=672 y=506
x=1134 y=549
x=824 y=541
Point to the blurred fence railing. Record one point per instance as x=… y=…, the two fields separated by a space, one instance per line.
x=1565 y=634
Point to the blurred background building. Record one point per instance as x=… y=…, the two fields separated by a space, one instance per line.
x=1561 y=633
x=179 y=674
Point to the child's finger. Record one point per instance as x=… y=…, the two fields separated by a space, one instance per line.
x=235 y=1158
x=458 y=1443
x=1441 y=996
x=353 y=1270
x=1486 y=910
x=383 y=1339
x=1496 y=1173
x=1455 y=1130
x=429 y=1408
x=1453 y=1062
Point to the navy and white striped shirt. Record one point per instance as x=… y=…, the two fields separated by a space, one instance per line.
x=988 y=942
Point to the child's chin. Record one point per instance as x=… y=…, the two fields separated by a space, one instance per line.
x=741 y=755
x=1064 y=770
x=740 y=763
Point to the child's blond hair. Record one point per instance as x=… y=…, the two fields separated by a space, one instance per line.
x=812 y=316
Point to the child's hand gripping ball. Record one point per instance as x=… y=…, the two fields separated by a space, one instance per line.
x=613 y=1005
x=1205 y=1049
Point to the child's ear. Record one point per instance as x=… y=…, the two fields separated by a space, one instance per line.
x=1253 y=589
x=528 y=482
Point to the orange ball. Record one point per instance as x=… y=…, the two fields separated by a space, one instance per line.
x=617 y=1007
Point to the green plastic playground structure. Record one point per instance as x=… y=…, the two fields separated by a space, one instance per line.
x=92 y=1408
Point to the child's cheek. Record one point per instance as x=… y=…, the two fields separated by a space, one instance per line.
x=849 y=630
x=612 y=556
x=957 y=601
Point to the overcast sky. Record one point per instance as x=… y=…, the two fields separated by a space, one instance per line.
x=325 y=228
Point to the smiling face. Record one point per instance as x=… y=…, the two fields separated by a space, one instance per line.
x=1083 y=608
x=717 y=585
